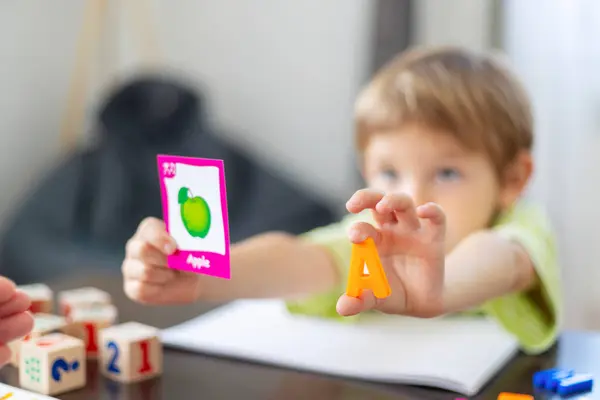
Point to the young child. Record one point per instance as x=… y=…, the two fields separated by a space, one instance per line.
x=15 y=321
x=445 y=142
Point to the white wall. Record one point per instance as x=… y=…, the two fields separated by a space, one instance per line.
x=555 y=51
x=36 y=47
x=281 y=77
x=458 y=22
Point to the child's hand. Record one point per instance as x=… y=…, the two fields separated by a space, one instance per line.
x=15 y=321
x=147 y=278
x=410 y=242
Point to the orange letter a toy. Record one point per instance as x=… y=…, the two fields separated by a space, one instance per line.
x=366 y=253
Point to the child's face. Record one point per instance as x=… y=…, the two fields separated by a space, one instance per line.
x=433 y=166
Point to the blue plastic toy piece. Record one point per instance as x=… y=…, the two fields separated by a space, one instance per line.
x=555 y=378
x=541 y=377
x=578 y=383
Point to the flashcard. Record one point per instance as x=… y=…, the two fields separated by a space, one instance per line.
x=12 y=393
x=194 y=202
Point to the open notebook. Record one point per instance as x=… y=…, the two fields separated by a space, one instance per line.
x=454 y=353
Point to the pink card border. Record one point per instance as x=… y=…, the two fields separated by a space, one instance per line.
x=220 y=266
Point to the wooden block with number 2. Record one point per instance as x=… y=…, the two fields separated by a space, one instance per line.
x=131 y=352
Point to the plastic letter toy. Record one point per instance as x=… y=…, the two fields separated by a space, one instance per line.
x=555 y=378
x=365 y=253
x=194 y=203
x=577 y=383
x=514 y=396
x=541 y=377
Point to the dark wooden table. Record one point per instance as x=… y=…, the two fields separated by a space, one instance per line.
x=193 y=376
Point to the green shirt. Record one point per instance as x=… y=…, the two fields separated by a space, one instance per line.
x=533 y=317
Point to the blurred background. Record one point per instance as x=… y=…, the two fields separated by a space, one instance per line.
x=277 y=82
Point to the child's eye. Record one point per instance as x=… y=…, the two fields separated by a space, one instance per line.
x=389 y=174
x=448 y=174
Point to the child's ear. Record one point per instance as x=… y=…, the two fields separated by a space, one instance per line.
x=515 y=179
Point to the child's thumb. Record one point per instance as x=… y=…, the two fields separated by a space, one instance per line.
x=348 y=306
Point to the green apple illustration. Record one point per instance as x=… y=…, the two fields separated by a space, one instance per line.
x=195 y=213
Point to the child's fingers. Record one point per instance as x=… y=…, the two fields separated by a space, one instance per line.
x=348 y=306
x=368 y=199
x=363 y=199
x=150 y=223
x=145 y=293
x=153 y=231
x=401 y=209
x=20 y=302
x=436 y=220
x=135 y=269
x=360 y=231
x=138 y=249
x=7 y=289
x=15 y=326
x=4 y=355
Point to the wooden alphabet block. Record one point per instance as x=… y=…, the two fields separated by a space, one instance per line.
x=42 y=297
x=43 y=324
x=85 y=323
x=81 y=298
x=52 y=364
x=131 y=352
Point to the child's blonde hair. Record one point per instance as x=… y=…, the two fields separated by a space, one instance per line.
x=471 y=96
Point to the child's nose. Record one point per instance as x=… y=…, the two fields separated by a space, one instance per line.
x=417 y=192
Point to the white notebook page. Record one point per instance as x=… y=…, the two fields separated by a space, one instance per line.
x=8 y=392
x=459 y=354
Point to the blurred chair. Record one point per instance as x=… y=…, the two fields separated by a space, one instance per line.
x=82 y=213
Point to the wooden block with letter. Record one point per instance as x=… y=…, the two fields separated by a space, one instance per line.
x=84 y=297
x=131 y=352
x=85 y=323
x=43 y=324
x=41 y=297
x=52 y=364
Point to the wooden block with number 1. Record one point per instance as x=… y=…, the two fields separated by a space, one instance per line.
x=86 y=323
x=130 y=352
x=365 y=254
